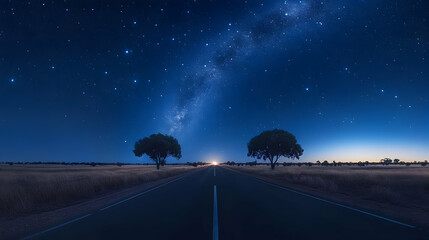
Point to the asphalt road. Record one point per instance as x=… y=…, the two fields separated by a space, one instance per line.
x=239 y=207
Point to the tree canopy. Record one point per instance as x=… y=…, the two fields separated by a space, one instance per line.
x=274 y=144
x=158 y=147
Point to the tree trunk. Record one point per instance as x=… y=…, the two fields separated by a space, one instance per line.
x=157 y=164
x=273 y=164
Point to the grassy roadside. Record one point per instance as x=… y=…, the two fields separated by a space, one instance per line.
x=27 y=189
x=400 y=192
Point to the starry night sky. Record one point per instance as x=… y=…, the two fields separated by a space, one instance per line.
x=83 y=80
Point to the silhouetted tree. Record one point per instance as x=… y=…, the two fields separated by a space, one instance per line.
x=424 y=163
x=386 y=161
x=158 y=147
x=396 y=161
x=273 y=144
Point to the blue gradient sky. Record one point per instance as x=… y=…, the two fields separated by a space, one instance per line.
x=82 y=81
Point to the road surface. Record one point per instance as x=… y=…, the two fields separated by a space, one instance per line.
x=217 y=203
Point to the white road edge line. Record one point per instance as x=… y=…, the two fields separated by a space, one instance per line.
x=137 y=195
x=58 y=226
x=338 y=204
x=79 y=218
x=215 y=223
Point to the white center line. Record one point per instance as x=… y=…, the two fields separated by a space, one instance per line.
x=215 y=224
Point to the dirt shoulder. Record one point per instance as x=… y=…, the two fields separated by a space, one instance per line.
x=18 y=227
x=407 y=213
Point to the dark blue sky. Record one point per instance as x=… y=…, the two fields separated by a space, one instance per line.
x=83 y=80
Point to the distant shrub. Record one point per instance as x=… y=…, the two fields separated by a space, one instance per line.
x=254 y=163
x=386 y=161
x=325 y=163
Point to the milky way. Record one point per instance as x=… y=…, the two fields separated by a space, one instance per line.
x=83 y=80
x=268 y=29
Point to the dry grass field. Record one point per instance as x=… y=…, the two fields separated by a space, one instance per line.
x=28 y=189
x=399 y=191
x=380 y=183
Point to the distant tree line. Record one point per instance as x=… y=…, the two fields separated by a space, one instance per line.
x=82 y=163
x=196 y=164
x=328 y=164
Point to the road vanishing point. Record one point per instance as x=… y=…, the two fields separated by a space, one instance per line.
x=218 y=203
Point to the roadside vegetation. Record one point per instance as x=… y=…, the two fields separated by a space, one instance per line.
x=158 y=147
x=274 y=144
x=399 y=190
x=30 y=188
